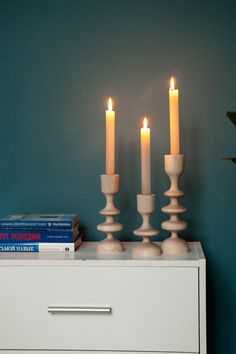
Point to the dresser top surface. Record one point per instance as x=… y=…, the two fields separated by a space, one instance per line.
x=86 y=255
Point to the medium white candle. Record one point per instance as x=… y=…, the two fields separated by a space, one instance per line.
x=145 y=158
x=174 y=118
x=110 y=139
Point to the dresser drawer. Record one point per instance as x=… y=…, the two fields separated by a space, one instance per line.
x=152 y=308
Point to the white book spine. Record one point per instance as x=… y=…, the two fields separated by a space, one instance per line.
x=54 y=247
x=59 y=247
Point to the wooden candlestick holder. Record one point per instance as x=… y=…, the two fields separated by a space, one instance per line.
x=174 y=167
x=110 y=186
x=146 y=249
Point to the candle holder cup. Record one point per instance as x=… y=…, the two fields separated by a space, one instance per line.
x=146 y=249
x=110 y=186
x=174 y=167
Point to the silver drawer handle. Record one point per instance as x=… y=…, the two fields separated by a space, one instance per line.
x=78 y=309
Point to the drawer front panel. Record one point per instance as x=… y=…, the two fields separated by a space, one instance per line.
x=152 y=308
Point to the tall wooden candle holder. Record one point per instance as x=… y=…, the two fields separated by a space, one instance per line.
x=174 y=167
x=110 y=186
x=146 y=249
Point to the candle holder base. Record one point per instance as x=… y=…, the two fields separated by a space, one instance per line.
x=146 y=249
x=110 y=246
x=175 y=245
x=174 y=166
x=110 y=186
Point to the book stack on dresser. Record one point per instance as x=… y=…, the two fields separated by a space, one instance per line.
x=36 y=233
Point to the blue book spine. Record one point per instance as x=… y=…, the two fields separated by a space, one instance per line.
x=33 y=236
x=36 y=224
x=40 y=247
x=38 y=221
x=19 y=247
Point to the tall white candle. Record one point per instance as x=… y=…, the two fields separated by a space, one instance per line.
x=174 y=118
x=110 y=139
x=145 y=158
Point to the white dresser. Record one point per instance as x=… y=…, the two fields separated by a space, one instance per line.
x=79 y=303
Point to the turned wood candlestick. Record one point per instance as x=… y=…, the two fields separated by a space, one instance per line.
x=110 y=186
x=174 y=167
x=146 y=249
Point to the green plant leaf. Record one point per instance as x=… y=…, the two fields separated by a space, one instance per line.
x=230 y=158
x=232 y=117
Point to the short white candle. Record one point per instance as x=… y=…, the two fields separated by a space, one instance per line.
x=145 y=158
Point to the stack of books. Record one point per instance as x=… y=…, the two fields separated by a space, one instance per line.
x=36 y=233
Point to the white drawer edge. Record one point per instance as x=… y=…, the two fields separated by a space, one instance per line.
x=28 y=351
x=103 y=264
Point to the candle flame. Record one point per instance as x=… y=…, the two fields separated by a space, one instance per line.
x=172 y=83
x=145 y=123
x=110 y=104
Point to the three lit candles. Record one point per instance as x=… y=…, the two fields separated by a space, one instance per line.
x=145 y=138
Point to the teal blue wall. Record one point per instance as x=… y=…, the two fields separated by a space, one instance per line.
x=60 y=60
